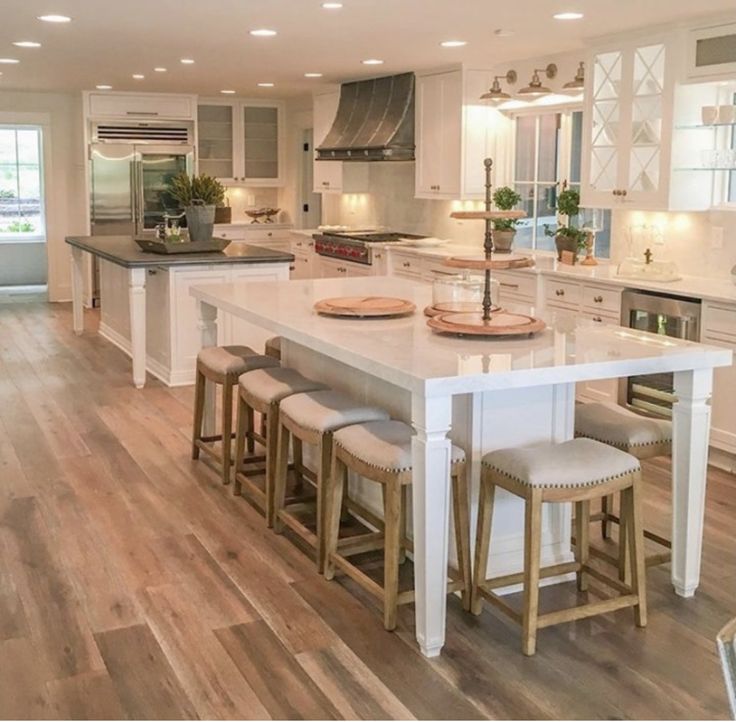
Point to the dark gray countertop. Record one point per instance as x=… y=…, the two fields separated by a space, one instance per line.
x=123 y=251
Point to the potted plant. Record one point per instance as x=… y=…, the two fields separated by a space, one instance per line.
x=504 y=229
x=568 y=237
x=198 y=196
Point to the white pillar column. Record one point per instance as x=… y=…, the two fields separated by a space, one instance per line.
x=208 y=335
x=77 y=265
x=137 y=299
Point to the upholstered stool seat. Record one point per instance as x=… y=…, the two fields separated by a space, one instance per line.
x=221 y=365
x=641 y=436
x=262 y=391
x=576 y=472
x=380 y=451
x=312 y=418
x=273 y=347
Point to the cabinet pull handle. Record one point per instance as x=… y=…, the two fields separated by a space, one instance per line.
x=406 y=264
x=559 y=292
x=624 y=193
x=292 y=268
x=508 y=285
x=597 y=319
x=598 y=299
x=378 y=255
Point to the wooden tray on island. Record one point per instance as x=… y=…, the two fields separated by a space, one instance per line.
x=458 y=307
x=167 y=248
x=365 y=307
x=480 y=263
x=501 y=323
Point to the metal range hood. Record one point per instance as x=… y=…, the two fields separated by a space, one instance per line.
x=374 y=121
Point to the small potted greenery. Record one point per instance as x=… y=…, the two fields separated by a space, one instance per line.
x=568 y=237
x=198 y=196
x=504 y=229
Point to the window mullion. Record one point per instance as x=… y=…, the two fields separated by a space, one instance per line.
x=535 y=194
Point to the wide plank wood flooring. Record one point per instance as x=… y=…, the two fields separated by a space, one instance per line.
x=133 y=585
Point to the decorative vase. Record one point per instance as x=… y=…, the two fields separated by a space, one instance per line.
x=223 y=214
x=200 y=222
x=503 y=240
x=565 y=243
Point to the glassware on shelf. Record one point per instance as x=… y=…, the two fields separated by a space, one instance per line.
x=461 y=292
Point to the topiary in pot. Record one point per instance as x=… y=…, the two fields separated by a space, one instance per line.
x=198 y=195
x=568 y=238
x=504 y=229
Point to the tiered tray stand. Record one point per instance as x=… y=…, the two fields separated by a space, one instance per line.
x=486 y=321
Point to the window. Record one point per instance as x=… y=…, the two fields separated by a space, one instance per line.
x=21 y=184
x=548 y=155
x=732 y=174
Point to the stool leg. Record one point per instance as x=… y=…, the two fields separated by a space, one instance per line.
x=240 y=434
x=272 y=431
x=279 y=481
x=405 y=488
x=298 y=466
x=606 y=508
x=392 y=542
x=323 y=472
x=532 y=544
x=624 y=568
x=635 y=530
x=198 y=413
x=250 y=427
x=227 y=430
x=333 y=504
x=460 y=507
x=582 y=541
x=482 y=540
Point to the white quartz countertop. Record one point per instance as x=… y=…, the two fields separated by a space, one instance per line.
x=406 y=352
x=248 y=225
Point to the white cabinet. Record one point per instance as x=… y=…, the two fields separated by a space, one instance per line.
x=304 y=257
x=334 y=268
x=334 y=176
x=711 y=52
x=628 y=122
x=139 y=106
x=242 y=141
x=409 y=265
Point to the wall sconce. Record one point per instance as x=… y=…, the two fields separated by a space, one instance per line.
x=496 y=95
x=535 y=89
x=577 y=84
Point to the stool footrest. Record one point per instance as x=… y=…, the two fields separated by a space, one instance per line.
x=360 y=544
x=589 y=610
x=508 y=579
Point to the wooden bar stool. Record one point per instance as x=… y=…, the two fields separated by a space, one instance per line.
x=380 y=451
x=222 y=365
x=576 y=471
x=273 y=348
x=641 y=436
x=262 y=391
x=312 y=418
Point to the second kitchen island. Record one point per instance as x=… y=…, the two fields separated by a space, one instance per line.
x=146 y=308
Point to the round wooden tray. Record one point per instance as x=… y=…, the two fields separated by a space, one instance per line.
x=487 y=215
x=459 y=307
x=502 y=323
x=364 y=307
x=479 y=263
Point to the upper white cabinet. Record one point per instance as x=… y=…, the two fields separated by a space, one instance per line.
x=140 y=106
x=242 y=141
x=454 y=132
x=628 y=123
x=711 y=52
x=333 y=176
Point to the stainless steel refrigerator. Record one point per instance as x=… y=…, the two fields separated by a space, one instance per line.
x=130 y=167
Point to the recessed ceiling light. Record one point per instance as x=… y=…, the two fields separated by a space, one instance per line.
x=568 y=16
x=373 y=61
x=55 y=18
x=9 y=61
x=453 y=43
x=503 y=33
x=186 y=61
x=312 y=75
x=138 y=76
x=263 y=33
x=159 y=70
x=103 y=87
x=331 y=6
x=265 y=85
x=228 y=92
x=26 y=44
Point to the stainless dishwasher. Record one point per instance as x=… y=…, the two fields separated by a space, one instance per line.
x=667 y=316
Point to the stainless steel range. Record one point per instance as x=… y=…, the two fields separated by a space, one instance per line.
x=355 y=246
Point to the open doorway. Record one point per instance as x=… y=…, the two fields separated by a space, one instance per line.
x=310 y=202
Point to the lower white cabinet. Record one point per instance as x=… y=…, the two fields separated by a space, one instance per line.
x=335 y=268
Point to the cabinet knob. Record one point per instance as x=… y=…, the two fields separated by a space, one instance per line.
x=299 y=244
x=270 y=233
x=292 y=268
x=597 y=319
x=598 y=299
x=624 y=193
x=559 y=292
x=378 y=255
x=406 y=264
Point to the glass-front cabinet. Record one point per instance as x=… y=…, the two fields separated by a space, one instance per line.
x=242 y=141
x=628 y=122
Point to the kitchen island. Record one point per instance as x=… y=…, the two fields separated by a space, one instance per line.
x=484 y=395
x=146 y=308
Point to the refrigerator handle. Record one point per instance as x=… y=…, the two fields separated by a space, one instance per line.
x=138 y=184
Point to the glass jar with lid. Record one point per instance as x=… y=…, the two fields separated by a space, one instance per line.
x=461 y=292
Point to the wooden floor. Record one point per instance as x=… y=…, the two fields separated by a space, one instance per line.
x=133 y=585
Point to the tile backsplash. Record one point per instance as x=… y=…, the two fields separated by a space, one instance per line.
x=242 y=199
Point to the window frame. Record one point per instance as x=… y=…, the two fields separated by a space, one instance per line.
x=21 y=238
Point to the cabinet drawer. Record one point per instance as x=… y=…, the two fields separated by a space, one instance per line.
x=563 y=293
x=406 y=264
x=517 y=285
x=606 y=319
x=301 y=245
x=141 y=106
x=252 y=236
x=233 y=234
x=604 y=300
x=720 y=320
x=437 y=269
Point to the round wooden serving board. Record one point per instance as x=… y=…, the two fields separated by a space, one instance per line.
x=459 y=307
x=472 y=324
x=479 y=263
x=364 y=307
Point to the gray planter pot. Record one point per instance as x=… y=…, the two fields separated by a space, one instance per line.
x=200 y=222
x=503 y=240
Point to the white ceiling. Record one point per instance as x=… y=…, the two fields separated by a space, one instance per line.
x=109 y=41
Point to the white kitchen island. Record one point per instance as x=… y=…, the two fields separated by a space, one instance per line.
x=482 y=394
